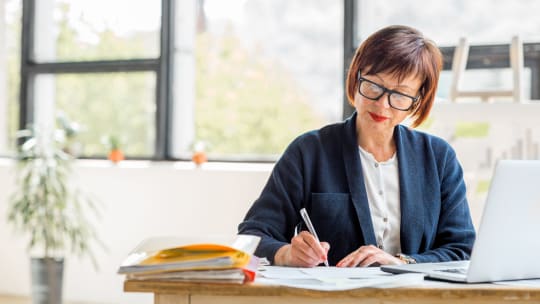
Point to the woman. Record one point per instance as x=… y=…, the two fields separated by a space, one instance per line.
x=377 y=192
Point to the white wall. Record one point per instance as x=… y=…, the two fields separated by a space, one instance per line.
x=138 y=200
x=3 y=78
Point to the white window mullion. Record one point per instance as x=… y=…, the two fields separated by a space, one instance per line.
x=3 y=80
x=45 y=49
x=183 y=121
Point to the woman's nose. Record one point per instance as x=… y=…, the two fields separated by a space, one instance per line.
x=384 y=100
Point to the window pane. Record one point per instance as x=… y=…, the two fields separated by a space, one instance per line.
x=484 y=79
x=78 y=30
x=481 y=21
x=266 y=71
x=110 y=104
x=10 y=26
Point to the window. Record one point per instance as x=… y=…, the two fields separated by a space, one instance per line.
x=488 y=24
x=482 y=22
x=242 y=77
x=105 y=69
x=77 y=30
x=267 y=70
x=10 y=25
x=115 y=104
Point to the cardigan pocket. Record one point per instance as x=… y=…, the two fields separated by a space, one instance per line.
x=328 y=211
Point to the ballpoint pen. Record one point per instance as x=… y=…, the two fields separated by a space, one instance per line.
x=310 y=227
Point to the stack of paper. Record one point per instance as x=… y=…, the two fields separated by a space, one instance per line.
x=173 y=259
x=335 y=278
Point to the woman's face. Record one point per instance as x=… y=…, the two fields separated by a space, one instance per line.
x=378 y=115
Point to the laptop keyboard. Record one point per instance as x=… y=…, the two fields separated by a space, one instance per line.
x=454 y=270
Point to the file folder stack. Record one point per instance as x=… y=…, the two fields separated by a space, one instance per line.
x=195 y=262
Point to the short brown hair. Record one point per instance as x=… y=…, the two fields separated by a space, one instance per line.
x=403 y=51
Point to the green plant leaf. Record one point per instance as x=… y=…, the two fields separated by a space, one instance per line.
x=46 y=205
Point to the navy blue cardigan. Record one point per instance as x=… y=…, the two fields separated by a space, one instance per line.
x=321 y=171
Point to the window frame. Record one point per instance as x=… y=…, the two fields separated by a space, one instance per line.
x=480 y=56
x=161 y=66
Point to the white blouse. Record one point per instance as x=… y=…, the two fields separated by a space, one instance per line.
x=382 y=187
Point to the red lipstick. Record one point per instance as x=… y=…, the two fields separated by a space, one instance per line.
x=377 y=118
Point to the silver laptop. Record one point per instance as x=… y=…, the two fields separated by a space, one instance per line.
x=507 y=243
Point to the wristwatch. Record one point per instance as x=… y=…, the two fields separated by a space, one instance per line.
x=405 y=258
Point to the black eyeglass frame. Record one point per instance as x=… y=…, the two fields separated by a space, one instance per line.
x=384 y=91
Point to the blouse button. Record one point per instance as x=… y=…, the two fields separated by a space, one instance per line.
x=376 y=165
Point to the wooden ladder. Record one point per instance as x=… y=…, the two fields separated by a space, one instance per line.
x=459 y=64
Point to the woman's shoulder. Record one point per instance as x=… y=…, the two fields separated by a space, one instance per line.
x=330 y=133
x=324 y=142
x=420 y=138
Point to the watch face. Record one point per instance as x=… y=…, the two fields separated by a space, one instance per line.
x=403 y=258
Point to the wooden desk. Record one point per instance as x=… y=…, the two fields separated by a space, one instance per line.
x=198 y=293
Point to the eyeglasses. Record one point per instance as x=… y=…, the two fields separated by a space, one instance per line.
x=374 y=91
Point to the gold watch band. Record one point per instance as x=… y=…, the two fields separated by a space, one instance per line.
x=405 y=258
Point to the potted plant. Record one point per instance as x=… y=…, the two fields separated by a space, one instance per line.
x=199 y=153
x=113 y=144
x=48 y=207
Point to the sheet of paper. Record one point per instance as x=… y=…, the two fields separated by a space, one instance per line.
x=392 y=281
x=345 y=272
x=277 y=272
x=334 y=278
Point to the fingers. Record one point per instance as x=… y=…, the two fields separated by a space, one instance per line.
x=298 y=259
x=326 y=247
x=289 y=256
x=372 y=260
x=354 y=258
x=306 y=251
x=315 y=245
x=367 y=256
x=301 y=244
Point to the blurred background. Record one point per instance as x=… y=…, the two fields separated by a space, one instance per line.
x=241 y=77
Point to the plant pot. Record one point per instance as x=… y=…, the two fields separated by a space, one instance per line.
x=116 y=155
x=199 y=158
x=47 y=276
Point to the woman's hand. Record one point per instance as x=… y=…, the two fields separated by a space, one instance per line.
x=368 y=255
x=304 y=251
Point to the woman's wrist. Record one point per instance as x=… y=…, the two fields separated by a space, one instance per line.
x=282 y=256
